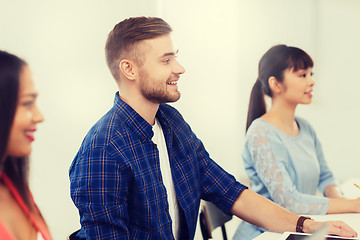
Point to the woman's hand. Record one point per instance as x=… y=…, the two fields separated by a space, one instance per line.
x=357 y=205
x=343 y=205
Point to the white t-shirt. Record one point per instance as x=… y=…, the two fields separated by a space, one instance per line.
x=159 y=140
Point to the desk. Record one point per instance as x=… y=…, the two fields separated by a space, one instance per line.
x=351 y=219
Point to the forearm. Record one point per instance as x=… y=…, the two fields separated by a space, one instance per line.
x=339 y=204
x=262 y=212
x=342 y=205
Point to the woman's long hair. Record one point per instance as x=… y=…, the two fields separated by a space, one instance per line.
x=14 y=167
x=273 y=63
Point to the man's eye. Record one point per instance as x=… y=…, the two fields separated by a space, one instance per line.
x=166 y=61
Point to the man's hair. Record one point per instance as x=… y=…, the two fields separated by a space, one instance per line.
x=122 y=41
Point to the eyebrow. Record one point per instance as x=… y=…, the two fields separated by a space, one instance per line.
x=34 y=95
x=169 y=54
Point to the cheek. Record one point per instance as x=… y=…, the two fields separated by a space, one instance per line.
x=160 y=73
x=22 y=118
x=294 y=88
x=15 y=144
x=21 y=122
x=18 y=145
x=17 y=129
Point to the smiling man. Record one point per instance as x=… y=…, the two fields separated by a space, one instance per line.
x=141 y=172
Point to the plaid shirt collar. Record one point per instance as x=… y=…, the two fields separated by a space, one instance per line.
x=135 y=122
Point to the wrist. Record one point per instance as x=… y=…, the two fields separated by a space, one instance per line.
x=303 y=224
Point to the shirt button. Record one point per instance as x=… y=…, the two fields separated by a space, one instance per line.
x=155 y=146
x=160 y=178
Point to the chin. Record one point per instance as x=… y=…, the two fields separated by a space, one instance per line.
x=21 y=154
x=174 y=98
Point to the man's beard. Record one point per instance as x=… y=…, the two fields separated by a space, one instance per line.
x=156 y=92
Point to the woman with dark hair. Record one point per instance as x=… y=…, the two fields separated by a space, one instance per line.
x=19 y=115
x=282 y=154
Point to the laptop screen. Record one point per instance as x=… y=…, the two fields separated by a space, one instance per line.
x=294 y=236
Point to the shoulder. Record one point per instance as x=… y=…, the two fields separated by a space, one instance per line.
x=103 y=132
x=172 y=116
x=4 y=232
x=259 y=127
x=302 y=121
x=261 y=133
x=172 y=119
x=170 y=112
x=104 y=145
x=12 y=218
x=305 y=126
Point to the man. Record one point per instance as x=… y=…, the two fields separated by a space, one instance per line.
x=141 y=172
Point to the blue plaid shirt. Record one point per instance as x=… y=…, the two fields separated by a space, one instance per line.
x=117 y=185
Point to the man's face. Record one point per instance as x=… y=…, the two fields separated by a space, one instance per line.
x=160 y=71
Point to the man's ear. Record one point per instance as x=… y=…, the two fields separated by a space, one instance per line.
x=128 y=69
x=275 y=85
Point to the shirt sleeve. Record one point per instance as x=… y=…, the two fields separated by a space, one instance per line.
x=98 y=189
x=269 y=159
x=217 y=186
x=326 y=176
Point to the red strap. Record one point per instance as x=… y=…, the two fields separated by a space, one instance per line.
x=23 y=206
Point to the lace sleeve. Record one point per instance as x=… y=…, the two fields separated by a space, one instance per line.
x=270 y=165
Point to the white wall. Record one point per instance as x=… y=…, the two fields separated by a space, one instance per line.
x=63 y=41
x=336 y=116
x=220 y=47
x=220 y=44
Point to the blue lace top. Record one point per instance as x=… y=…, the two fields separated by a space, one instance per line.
x=287 y=170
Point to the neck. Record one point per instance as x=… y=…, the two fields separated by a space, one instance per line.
x=142 y=106
x=282 y=116
x=283 y=111
x=286 y=118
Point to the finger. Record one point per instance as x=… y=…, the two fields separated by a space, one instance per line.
x=346 y=227
x=341 y=229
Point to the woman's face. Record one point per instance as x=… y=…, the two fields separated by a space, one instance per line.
x=298 y=86
x=27 y=116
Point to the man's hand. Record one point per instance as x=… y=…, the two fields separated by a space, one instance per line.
x=335 y=228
